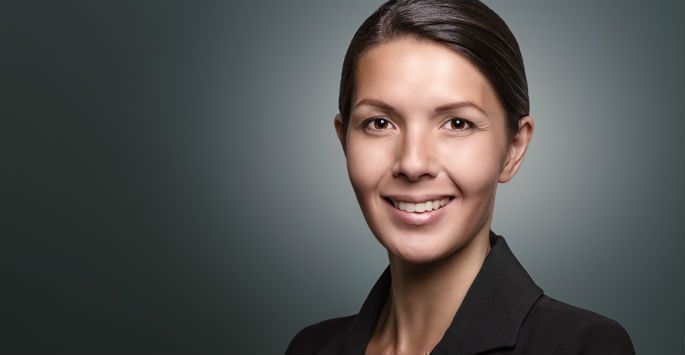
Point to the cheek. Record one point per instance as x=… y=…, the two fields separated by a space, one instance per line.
x=475 y=165
x=367 y=162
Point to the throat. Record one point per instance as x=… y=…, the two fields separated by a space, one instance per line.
x=423 y=300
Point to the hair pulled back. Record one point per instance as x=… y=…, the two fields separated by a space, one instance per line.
x=467 y=26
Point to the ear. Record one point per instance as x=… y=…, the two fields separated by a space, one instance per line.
x=338 y=123
x=517 y=149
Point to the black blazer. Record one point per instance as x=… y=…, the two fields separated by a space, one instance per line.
x=503 y=312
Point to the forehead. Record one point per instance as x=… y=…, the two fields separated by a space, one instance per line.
x=413 y=74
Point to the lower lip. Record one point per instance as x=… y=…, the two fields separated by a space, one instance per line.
x=418 y=218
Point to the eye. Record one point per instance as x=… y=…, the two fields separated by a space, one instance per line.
x=459 y=124
x=377 y=124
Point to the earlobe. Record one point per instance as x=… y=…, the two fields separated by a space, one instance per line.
x=517 y=149
x=338 y=124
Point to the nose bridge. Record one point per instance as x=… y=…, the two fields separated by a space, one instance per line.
x=417 y=152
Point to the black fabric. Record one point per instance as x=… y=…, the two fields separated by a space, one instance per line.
x=503 y=312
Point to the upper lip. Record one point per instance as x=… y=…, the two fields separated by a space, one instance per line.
x=417 y=198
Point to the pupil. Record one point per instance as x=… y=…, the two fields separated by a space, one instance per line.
x=457 y=123
x=380 y=123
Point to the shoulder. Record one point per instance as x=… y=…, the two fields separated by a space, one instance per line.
x=314 y=336
x=556 y=324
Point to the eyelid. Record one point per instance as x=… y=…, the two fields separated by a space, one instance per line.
x=372 y=119
x=469 y=124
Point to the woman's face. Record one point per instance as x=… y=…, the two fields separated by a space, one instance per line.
x=426 y=125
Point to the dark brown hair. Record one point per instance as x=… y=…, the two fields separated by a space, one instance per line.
x=467 y=26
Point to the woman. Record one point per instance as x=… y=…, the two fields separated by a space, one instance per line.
x=434 y=114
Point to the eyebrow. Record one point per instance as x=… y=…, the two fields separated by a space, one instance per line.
x=439 y=109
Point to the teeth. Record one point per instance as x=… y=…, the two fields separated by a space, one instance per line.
x=420 y=207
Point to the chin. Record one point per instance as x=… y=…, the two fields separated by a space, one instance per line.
x=417 y=258
x=417 y=249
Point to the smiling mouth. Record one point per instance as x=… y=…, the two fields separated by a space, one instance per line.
x=426 y=206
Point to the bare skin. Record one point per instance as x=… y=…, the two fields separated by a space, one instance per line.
x=427 y=298
x=398 y=144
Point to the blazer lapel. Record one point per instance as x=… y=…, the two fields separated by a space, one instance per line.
x=495 y=305
x=489 y=317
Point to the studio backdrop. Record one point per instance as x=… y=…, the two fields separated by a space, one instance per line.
x=172 y=182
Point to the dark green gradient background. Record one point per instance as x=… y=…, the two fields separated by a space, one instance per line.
x=171 y=179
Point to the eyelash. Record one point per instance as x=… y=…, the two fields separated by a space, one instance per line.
x=469 y=124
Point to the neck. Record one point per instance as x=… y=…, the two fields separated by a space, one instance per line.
x=424 y=298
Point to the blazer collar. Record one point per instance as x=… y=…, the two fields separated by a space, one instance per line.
x=489 y=317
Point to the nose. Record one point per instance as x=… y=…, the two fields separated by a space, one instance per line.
x=416 y=155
